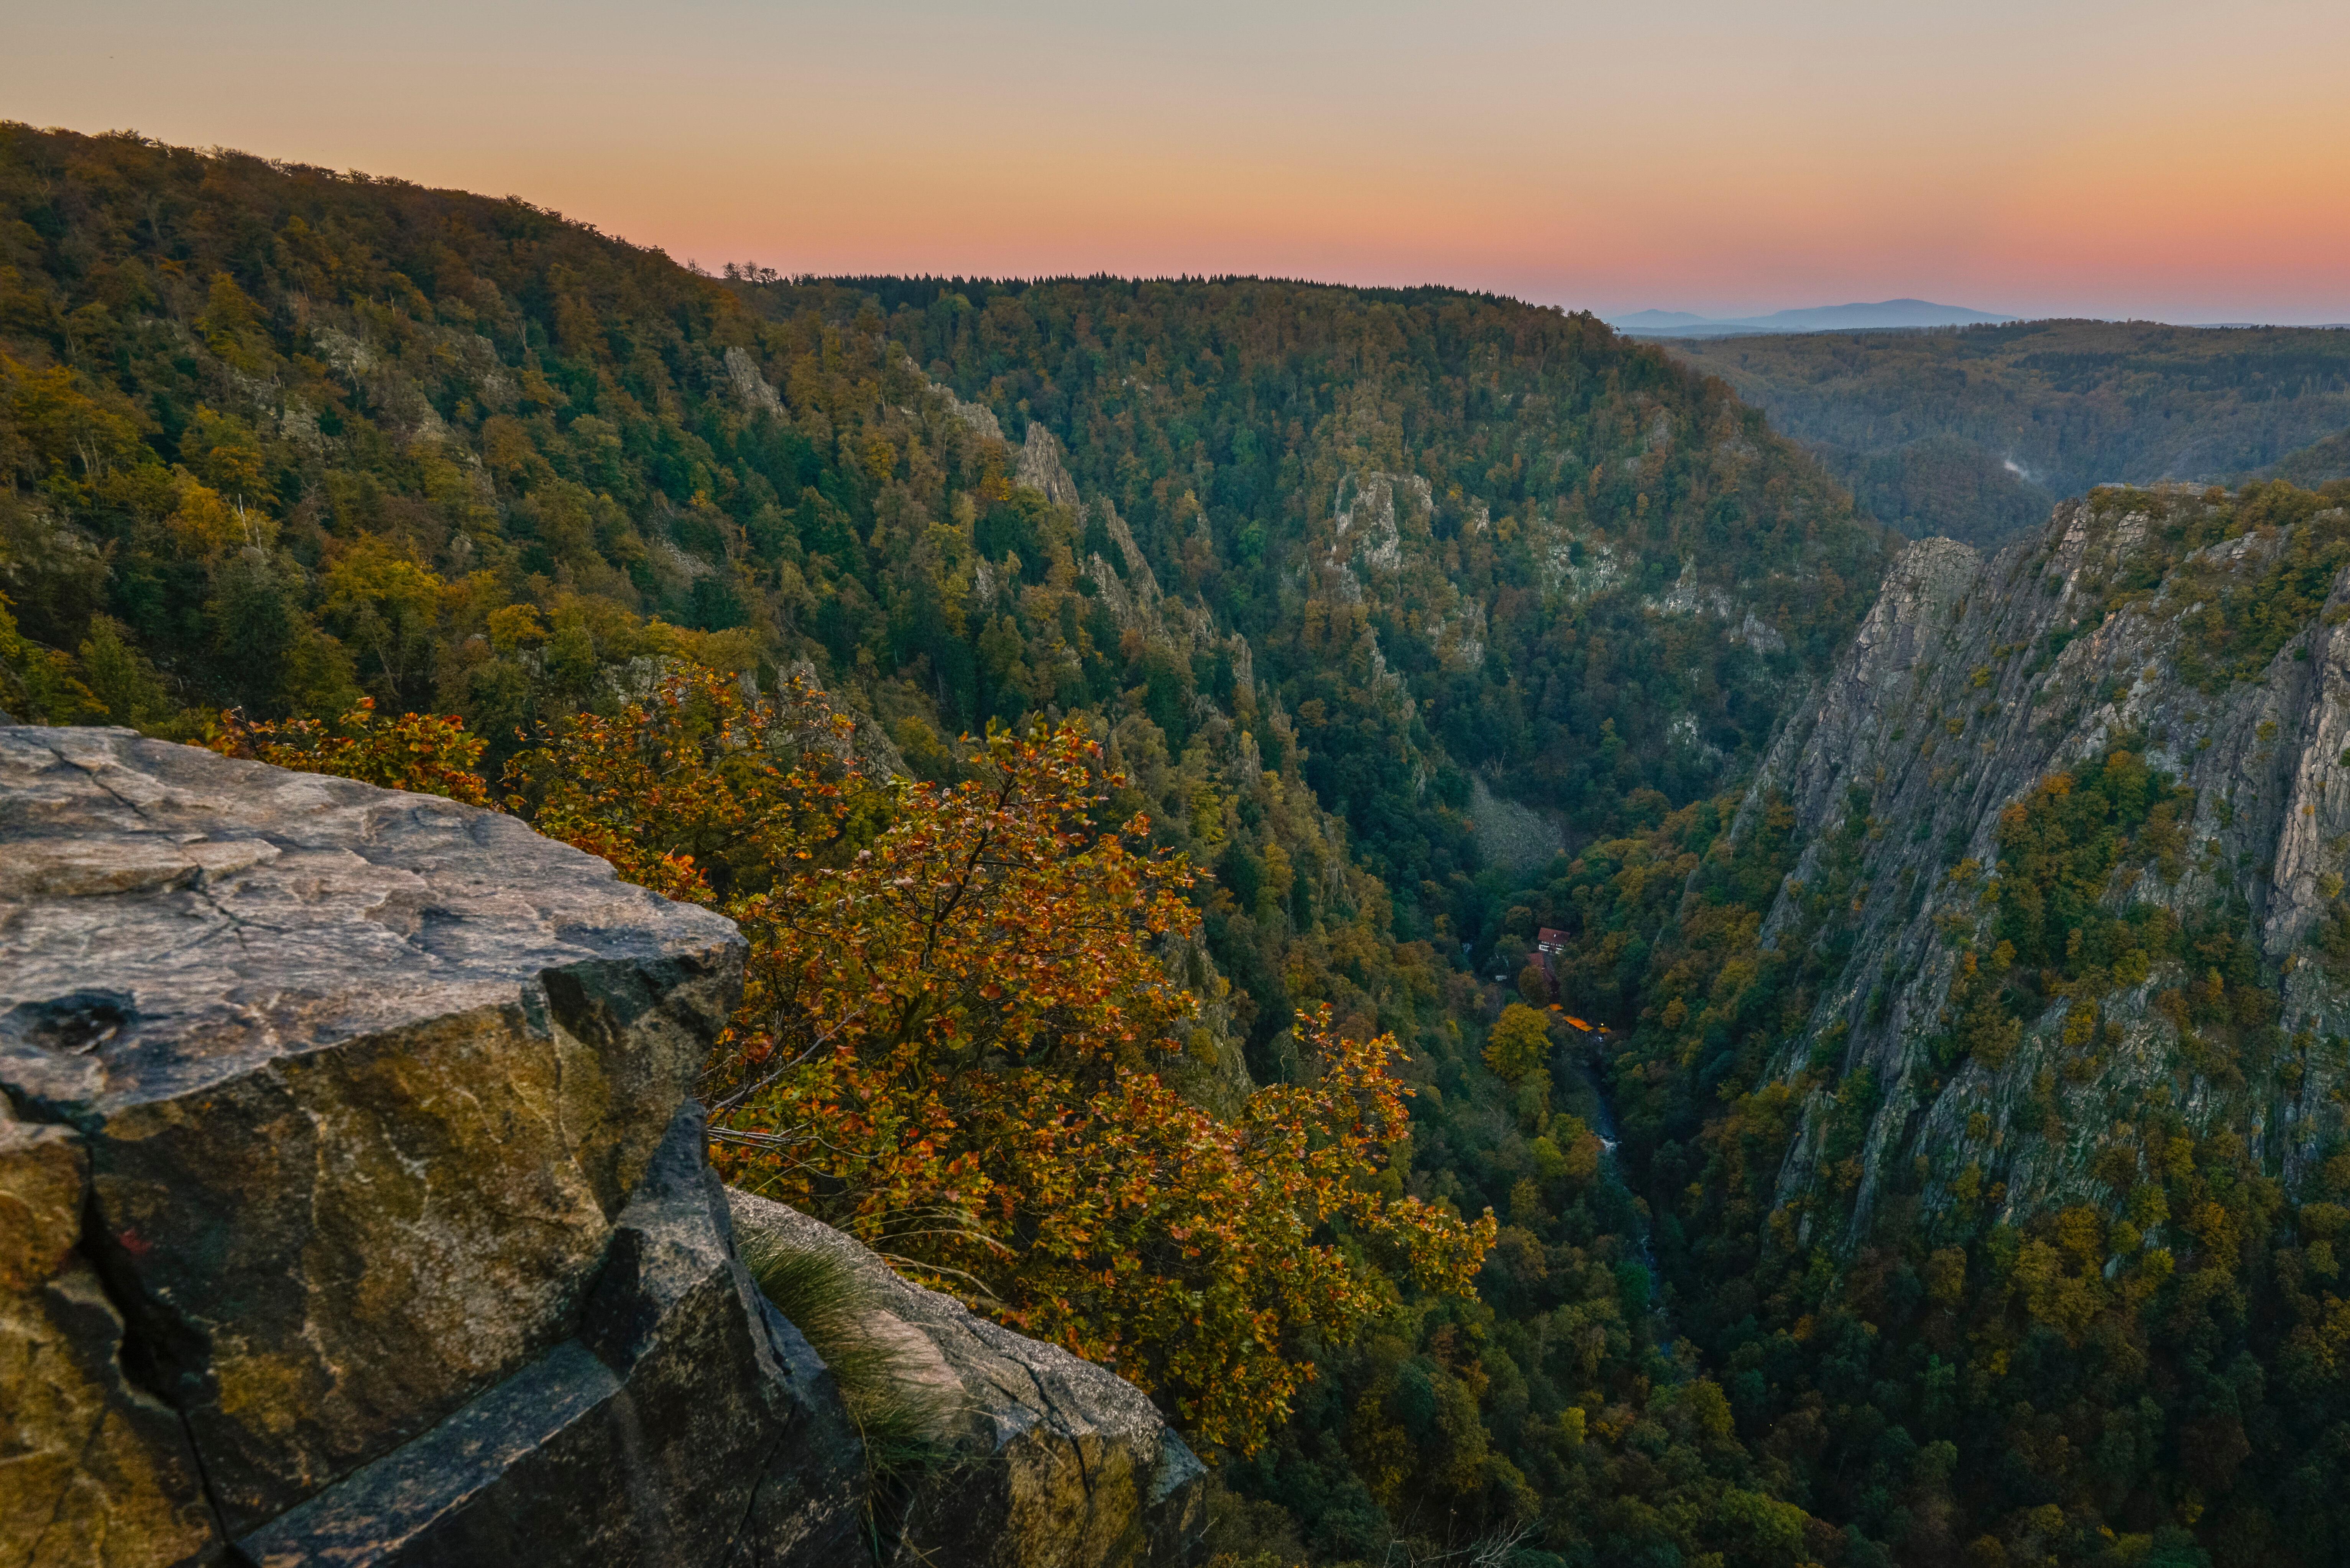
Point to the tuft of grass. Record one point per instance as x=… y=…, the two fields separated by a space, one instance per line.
x=902 y=1415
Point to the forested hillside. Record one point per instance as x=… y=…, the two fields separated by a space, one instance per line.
x=1414 y=620
x=2320 y=463
x=282 y=440
x=1975 y=432
x=1459 y=535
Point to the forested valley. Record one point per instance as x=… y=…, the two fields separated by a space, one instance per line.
x=1305 y=653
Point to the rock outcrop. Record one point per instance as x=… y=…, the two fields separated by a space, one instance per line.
x=1047 y=1460
x=354 y=1208
x=1970 y=684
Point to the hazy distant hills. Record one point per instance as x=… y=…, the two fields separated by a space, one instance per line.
x=1818 y=318
x=1975 y=432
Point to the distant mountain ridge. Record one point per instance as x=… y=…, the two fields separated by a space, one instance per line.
x=1815 y=318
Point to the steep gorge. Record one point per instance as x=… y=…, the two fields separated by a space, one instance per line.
x=2011 y=1083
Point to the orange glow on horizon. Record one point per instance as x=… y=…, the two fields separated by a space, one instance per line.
x=2150 y=159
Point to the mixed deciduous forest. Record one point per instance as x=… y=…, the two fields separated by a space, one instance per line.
x=1237 y=617
x=1974 y=432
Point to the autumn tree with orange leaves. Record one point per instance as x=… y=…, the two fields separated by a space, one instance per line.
x=955 y=1039
x=430 y=754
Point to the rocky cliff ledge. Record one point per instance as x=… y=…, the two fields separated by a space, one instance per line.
x=354 y=1209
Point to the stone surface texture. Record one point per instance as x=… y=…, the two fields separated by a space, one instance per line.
x=92 y=1469
x=1053 y=1462
x=352 y=1206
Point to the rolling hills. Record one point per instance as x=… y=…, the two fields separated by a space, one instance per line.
x=1813 y=319
x=1975 y=433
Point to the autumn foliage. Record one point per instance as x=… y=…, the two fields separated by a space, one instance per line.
x=958 y=1042
x=430 y=754
x=1519 y=1044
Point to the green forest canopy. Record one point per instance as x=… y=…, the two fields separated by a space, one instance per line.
x=1316 y=564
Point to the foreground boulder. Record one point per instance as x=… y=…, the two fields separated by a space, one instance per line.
x=354 y=1209
x=1041 y=1460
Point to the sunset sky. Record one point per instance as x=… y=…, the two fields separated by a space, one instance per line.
x=2187 y=162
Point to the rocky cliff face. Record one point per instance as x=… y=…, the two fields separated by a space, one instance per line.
x=2031 y=941
x=353 y=1206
